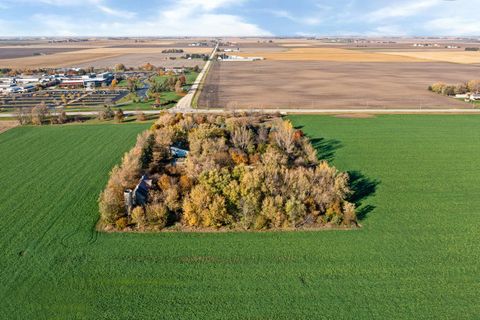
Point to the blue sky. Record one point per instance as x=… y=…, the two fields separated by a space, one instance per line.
x=238 y=17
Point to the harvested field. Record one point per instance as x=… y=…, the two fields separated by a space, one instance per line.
x=330 y=54
x=5 y=125
x=134 y=60
x=325 y=85
x=19 y=52
x=135 y=57
x=463 y=57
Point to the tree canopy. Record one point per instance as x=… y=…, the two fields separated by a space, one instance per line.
x=241 y=172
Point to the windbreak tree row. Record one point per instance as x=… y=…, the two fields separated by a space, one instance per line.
x=211 y=172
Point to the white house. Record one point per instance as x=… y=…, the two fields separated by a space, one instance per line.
x=475 y=96
x=462 y=96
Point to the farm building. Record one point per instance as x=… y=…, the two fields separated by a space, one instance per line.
x=176 y=70
x=240 y=59
x=88 y=81
x=9 y=87
x=475 y=97
x=462 y=96
x=178 y=153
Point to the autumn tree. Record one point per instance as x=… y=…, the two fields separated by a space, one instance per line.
x=141 y=116
x=62 y=116
x=119 y=115
x=474 y=86
x=285 y=135
x=39 y=114
x=106 y=113
x=437 y=87
x=148 y=67
x=23 y=116
x=132 y=84
x=242 y=138
x=120 y=67
x=182 y=79
x=178 y=87
x=461 y=88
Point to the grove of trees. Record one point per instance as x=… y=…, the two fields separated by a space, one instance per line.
x=241 y=172
x=472 y=86
x=40 y=115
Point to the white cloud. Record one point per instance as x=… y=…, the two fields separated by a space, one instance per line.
x=209 y=5
x=309 y=20
x=453 y=26
x=408 y=9
x=116 y=12
x=99 y=5
x=179 y=18
x=387 y=30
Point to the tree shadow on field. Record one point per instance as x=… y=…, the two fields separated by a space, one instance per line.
x=362 y=188
x=326 y=148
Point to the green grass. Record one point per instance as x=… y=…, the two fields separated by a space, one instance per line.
x=416 y=257
x=475 y=103
x=189 y=76
x=123 y=83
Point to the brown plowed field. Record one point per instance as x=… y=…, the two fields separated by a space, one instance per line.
x=327 y=84
x=19 y=52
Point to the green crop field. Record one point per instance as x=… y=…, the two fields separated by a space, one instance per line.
x=416 y=257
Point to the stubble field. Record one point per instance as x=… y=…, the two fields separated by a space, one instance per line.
x=461 y=57
x=332 y=84
x=415 y=257
x=97 y=54
x=327 y=54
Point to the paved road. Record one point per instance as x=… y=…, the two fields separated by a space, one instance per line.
x=185 y=104
x=290 y=111
x=87 y=113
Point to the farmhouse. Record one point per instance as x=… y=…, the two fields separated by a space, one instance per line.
x=139 y=196
x=465 y=96
x=178 y=153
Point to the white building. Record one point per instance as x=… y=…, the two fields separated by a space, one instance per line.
x=241 y=59
x=475 y=96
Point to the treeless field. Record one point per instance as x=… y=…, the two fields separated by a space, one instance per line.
x=87 y=56
x=5 y=125
x=135 y=60
x=327 y=85
x=330 y=54
x=19 y=52
x=463 y=57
